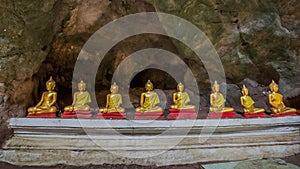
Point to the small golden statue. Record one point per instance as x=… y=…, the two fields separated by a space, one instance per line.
x=217 y=101
x=149 y=100
x=275 y=100
x=46 y=104
x=113 y=101
x=248 y=103
x=181 y=99
x=80 y=100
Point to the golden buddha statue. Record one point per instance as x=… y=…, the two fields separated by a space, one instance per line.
x=80 y=100
x=46 y=104
x=113 y=101
x=149 y=100
x=248 y=103
x=275 y=100
x=181 y=99
x=217 y=101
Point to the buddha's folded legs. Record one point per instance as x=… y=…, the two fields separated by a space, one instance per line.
x=34 y=110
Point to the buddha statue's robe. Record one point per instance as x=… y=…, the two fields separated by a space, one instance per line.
x=277 y=105
x=248 y=104
x=80 y=102
x=181 y=100
x=151 y=99
x=46 y=104
x=217 y=102
x=114 y=101
x=82 y=99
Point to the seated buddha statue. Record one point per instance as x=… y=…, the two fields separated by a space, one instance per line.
x=181 y=99
x=47 y=102
x=113 y=101
x=217 y=101
x=149 y=100
x=248 y=103
x=80 y=100
x=275 y=100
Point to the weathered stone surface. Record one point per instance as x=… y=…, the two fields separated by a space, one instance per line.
x=147 y=142
x=26 y=30
x=265 y=164
x=255 y=163
x=254 y=39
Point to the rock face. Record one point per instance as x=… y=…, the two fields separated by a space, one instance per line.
x=254 y=39
x=258 y=40
x=26 y=32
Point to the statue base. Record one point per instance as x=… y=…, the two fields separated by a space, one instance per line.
x=298 y=112
x=77 y=114
x=53 y=141
x=255 y=115
x=149 y=116
x=48 y=115
x=182 y=114
x=221 y=115
x=283 y=115
x=111 y=115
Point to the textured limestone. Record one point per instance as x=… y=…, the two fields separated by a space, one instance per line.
x=255 y=163
x=258 y=40
x=146 y=142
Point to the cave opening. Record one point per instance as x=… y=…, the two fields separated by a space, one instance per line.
x=159 y=78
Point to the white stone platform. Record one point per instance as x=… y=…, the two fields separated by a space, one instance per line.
x=39 y=141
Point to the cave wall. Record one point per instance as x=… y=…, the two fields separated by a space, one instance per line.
x=256 y=39
x=26 y=31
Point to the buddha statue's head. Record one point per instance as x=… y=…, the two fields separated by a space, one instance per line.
x=180 y=87
x=114 y=88
x=149 y=86
x=273 y=86
x=50 y=84
x=81 y=86
x=244 y=91
x=216 y=87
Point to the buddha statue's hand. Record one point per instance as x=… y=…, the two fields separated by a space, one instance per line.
x=282 y=109
x=140 y=110
x=279 y=107
x=219 y=108
x=34 y=109
x=282 y=106
x=104 y=110
x=48 y=106
x=251 y=109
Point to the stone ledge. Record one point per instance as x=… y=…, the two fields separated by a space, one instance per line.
x=145 y=142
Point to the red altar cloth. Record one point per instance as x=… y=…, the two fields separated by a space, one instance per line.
x=48 y=115
x=77 y=114
x=111 y=115
x=182 y=114
x=283 y=115
x=221 y=115
x=255 y=115
x=149 y=116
